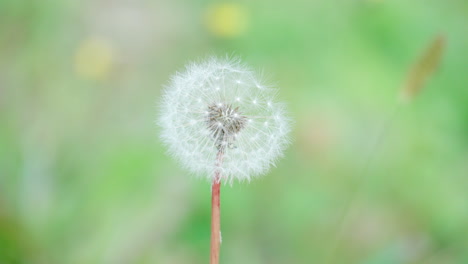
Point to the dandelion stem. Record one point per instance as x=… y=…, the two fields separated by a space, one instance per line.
x=215 y=223
x=215 y=213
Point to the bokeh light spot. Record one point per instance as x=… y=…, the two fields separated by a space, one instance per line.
x=94 y=59
x=226 y=20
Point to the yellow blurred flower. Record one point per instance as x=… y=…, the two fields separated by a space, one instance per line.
x=226 y=19
x=94 y=59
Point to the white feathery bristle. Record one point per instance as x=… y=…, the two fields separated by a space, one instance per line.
x=217 y=106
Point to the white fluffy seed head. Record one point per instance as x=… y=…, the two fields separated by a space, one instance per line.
x=219 y=106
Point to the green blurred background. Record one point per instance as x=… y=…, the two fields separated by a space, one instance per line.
x=84 y=178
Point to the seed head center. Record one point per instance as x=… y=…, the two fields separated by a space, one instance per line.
x=224 y=122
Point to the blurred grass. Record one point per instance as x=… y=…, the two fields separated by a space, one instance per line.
x=84 y=179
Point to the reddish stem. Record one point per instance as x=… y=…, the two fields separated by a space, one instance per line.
x=215 y=213
x=215 y=223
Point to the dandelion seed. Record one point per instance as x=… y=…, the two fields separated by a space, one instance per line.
x=204 y=100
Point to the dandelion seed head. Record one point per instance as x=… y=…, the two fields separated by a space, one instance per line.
x=216 y=107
